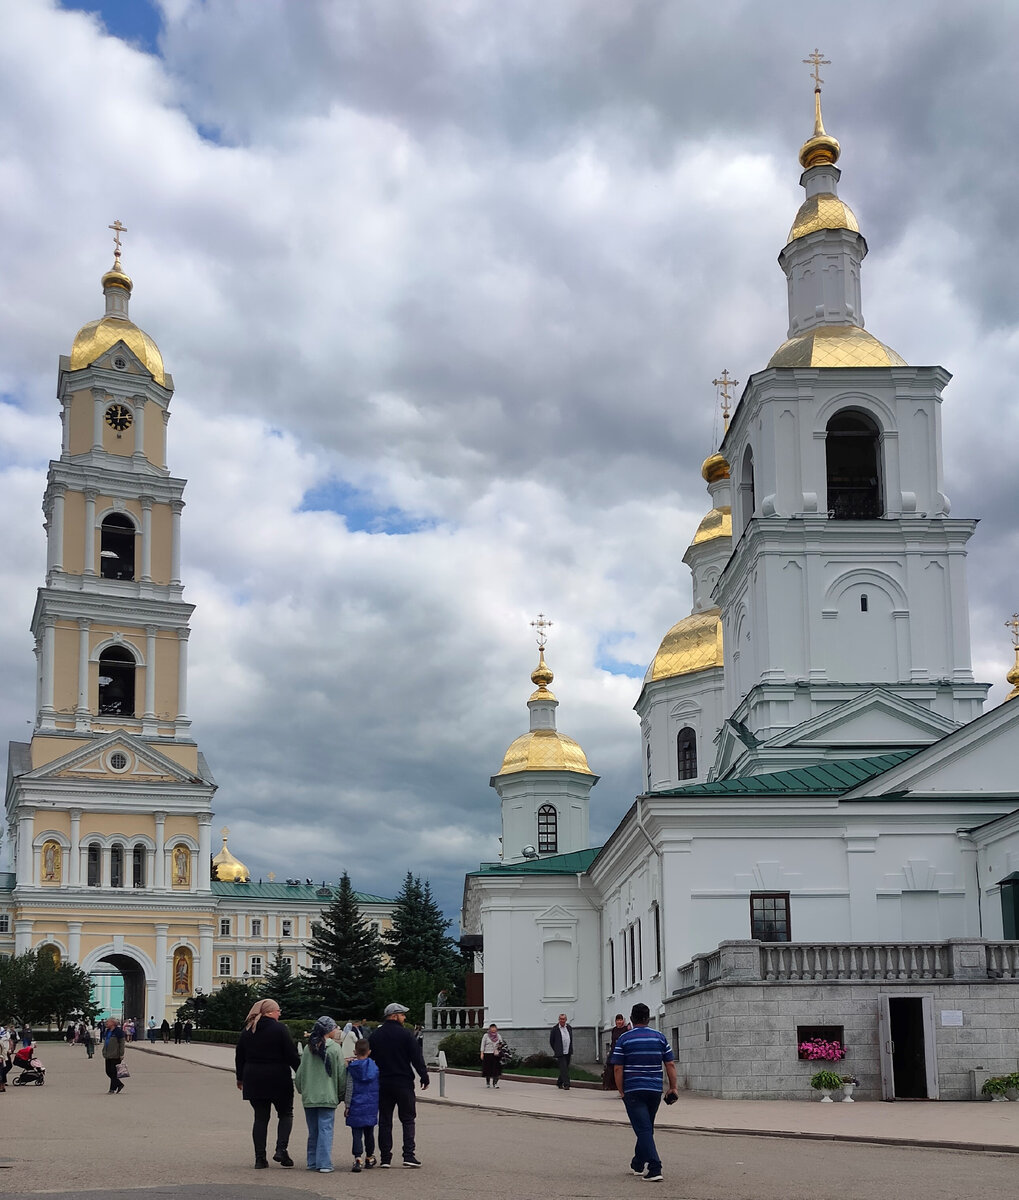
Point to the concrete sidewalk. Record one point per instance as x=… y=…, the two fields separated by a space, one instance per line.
x=978 y=1125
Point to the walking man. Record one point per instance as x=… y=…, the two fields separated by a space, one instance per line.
x=561 y=1041
x=397 y=1054
x=113 y=1053
x=637 y=1059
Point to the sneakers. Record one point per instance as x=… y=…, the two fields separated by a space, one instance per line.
x=369 y=1163
x=283 y=1158
x=410 y=1160
x=652 y=1176
x=386 y=1164
x=357 y=1166
x=260 y=1163
x=495 y=1085
x=638 y=1171
x=325 y=1170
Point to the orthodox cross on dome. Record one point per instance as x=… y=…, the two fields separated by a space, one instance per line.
x=272 y=876
x=816 y=61
x=723 y=384
x=1013 y=624
x=540 y=626
x=225 y=831
x=118 y=229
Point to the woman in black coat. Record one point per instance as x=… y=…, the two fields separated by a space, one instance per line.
x=265 y=1057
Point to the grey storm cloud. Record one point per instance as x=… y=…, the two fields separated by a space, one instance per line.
x=443 y=289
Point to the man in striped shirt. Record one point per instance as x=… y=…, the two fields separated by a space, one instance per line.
x=637 y=1061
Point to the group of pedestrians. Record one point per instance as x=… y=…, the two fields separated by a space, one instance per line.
x=372 y=1076
x=181 y=1031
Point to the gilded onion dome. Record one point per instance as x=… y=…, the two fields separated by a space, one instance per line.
x=94 y=339
x=717 y=524
x=835 y=346
x=693 y=644
x=543 y=747
x=1013 y=675
x=230 y=869
x=714 y=468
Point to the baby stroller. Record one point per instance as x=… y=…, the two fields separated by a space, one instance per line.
x=30 y=1069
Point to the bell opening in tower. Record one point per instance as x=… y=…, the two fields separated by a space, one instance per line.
x=116 y=551
x=116 y=682
x=852 y=456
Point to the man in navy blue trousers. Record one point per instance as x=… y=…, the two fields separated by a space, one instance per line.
x=637 y=1060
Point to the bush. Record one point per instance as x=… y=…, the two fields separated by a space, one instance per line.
x=462 y=1049
x=228 y=1036
x=997 y=1085
x=540 y=1059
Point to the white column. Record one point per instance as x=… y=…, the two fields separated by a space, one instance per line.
x=98 y=408
x=22 y=936
x=194 y=870
x=74 y=853
x=26 y=818
x=205 y=851
x=159 y=875
x=139 y=427
x=74 y=941
x=204 y=971
x=182 y=673
x=146 y=575
x=82 y=715
x=177 y=508
x=37 y=651
x=150 y=677
x=65 y=430
x=55 y=530
x=90 y=531
x=49 y=646
x=106 y=866
x=150 y=868
x=83 y=865
x=158 y=1006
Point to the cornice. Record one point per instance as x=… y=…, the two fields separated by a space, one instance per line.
x=129 y=610
x=108 y=475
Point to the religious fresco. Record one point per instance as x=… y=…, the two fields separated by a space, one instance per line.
x=182 y=972
x=52 y=857
x=181 y=866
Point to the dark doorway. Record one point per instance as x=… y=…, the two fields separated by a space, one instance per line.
x=134 y=985
x=908 y=1051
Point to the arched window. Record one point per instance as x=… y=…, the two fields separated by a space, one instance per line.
x=95 y=865
x=851 y=452
x=116 y=865
x=116 y=547
x=116 y=682
x=686 y=753
x=649 y=766
x=138 y=866
x=548 y=829
x=747 y=495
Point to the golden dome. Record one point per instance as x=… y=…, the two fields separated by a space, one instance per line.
x=820 y=147
x=717 y=524
x=116 y=276
x=544 y=750
x=693 y=644
x=714 y=468
x=823 y=211
x=1013 y=678
x=95 y=338
x=542 y=676
x=835 y=346
x=230 y=869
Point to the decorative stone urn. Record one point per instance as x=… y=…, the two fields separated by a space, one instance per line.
x=826 y=1096
x=848 y=1088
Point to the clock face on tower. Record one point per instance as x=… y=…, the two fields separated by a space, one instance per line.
x=118 y=417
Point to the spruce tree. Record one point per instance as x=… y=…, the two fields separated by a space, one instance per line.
x=349 y=958
x=418 y=940
x=279 y=983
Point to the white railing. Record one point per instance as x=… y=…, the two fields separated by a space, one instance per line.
x=854 y=960
x=454 y=1016
x=1003 y=960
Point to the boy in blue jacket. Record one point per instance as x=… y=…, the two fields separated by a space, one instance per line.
x=361 y=1104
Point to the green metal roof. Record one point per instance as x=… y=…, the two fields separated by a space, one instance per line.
x=576 y=862
x=304 y=892
x=831 y=776
x=7 y=881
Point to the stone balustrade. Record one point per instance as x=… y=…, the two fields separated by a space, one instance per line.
x=454 y=1016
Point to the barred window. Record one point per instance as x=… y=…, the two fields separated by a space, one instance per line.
x=686 y=753
x=548 y=833
x=769 y=916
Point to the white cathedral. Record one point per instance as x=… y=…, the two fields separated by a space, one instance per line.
x=828 y=840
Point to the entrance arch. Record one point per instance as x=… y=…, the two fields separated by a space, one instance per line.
x=122 y=979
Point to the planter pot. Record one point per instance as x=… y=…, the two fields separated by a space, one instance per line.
x=826 y=1096
x=1012 y=1093
x=848 y=1088
x=996 y=1099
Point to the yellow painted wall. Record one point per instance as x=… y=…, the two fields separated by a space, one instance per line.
x=186 y=755
x=46 y=749
x=81 y=422
x=74 y=532
x=65 y=673
x=162 y=520
x=51 y=818
x=155 y=435
x=167 y=656
x=122 y=444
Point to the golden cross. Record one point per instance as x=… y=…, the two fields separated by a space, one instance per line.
x=118 y=229
x=541 y=625
x=272 y=876
x=1014 y=626
x=225 y=831
x=724 y=383
x=817 y=62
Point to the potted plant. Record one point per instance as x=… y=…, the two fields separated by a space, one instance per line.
x=827 y=1082
x=995 y=1087
x=1012 y=1086
x=849 y=1085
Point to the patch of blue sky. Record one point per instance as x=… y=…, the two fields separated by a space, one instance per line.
x=138 y=22
x=606 y=658
x=360 y=511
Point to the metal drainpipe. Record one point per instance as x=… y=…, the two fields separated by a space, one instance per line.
x=661 y=896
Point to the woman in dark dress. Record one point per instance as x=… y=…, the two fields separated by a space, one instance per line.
x=265 y=1059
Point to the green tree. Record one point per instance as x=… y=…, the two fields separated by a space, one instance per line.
x=36 y=988
x=413 y=989
x=349 y=956
x=226 y=1008
x=279 y=983
x=418 y=940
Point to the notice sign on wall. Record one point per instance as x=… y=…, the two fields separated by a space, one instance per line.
x=951 y=1016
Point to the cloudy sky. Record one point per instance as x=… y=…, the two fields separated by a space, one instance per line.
x=443 y=285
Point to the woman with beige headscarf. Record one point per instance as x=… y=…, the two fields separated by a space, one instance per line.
x=265 y=1059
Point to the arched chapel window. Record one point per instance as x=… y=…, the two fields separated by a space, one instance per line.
x=852 y=456
x=116 y=547
x=95 y=865
x=548 y=829
x=116 y=682
x=138 y=866
x=686 y=753
x=649 y=766
x=747 y=495
x=116 y=865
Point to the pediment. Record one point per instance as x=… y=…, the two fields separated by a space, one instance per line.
x=874 y=721
x=555 y=915
x=733 y=742
x=977 y=759
x=121 y=350
x=118 y=758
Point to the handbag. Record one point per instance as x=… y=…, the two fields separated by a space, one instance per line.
x=123 y=1072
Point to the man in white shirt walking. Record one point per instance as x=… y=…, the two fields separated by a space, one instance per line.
x=561 y=1041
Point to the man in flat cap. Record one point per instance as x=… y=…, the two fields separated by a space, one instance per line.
x=397 y=1055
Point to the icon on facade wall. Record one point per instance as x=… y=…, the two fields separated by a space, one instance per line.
x=182 y=972
x=51 y=862
x=181 y=866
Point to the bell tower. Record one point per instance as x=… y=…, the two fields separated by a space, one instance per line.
x=109 y=806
